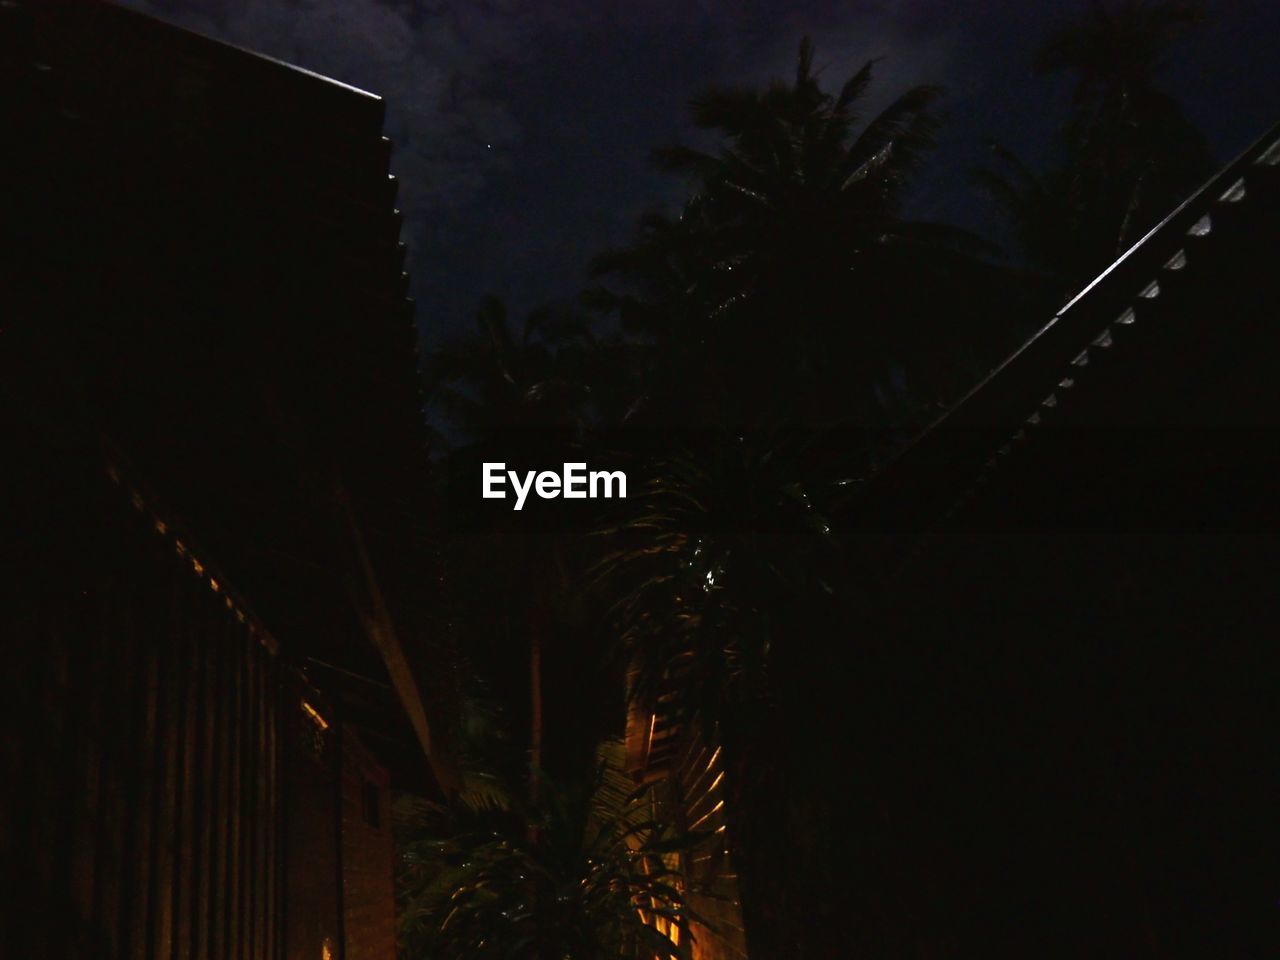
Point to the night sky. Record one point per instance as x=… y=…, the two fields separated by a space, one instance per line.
x=522 y=129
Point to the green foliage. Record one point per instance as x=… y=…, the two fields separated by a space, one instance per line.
x=708 y=561
x=568 y=880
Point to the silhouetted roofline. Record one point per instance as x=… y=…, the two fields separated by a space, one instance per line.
x=149 y=20
x=924 y=483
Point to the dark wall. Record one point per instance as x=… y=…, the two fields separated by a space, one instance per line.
x=1067 y=706
x=201 y=246
x=338 y=843
x=368 y=892
x=140 y=803
x=313 y=919
x=199 y=258
x=164 y=789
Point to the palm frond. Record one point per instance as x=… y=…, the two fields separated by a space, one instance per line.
x=597 y=872
x=908 y=123
x=855 y=86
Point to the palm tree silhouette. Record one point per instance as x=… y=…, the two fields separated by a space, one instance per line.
x=1130 y=153
x=792 y=255
x=499 y=380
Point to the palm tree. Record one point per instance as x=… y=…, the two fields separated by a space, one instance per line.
x=728 y=576
x=705 y=557
x=528 y=395
x=1128 y=133
x=510 y=393
x=1130 y=154
x=498 y=381
x=792 y=254
x=790 y=298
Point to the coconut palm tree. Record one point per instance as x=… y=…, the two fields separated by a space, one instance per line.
x=1134 y=145
x=514 y=395
x=703 y=560
x=790 y=298
x=1130 y=154
x=792 y=255
x=529 y=395
x=728 y=579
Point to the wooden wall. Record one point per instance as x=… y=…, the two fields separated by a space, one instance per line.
x=164 y=792
x=368 y=865
x=141 y=797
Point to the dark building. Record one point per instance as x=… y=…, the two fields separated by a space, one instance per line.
x=214 y=454
x=1068 y=693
